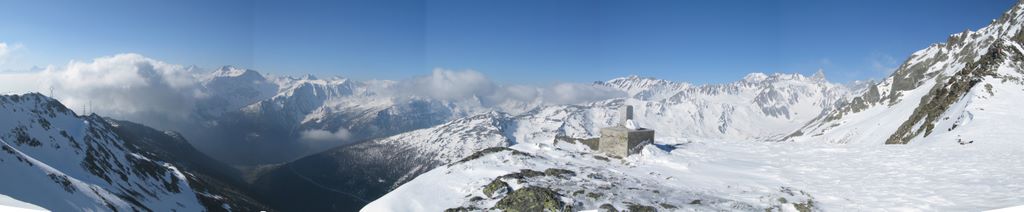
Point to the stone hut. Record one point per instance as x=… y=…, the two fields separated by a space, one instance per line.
x=626 y=138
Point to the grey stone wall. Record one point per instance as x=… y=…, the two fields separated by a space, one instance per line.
x=622 y=142
x=614 y=140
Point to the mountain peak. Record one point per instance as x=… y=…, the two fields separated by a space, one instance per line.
x=231 y=71
x=636 y=80
x=755 y=77
x=819 y=75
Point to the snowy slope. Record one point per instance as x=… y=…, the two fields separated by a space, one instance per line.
x=10 y=204
x=971 y=76
x=63 y=162
x=736 y=176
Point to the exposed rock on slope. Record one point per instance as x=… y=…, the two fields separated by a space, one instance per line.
x=219 y=186
x=936 y=86
x=65 y=162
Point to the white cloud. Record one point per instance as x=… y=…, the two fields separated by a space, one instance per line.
x=449 y=85
x=326 y=136
x=571 y=93
x=518 y=93
x=126 y=86
x=318 y=140
x=460 y=85
x=152 y=92
x=19 y=82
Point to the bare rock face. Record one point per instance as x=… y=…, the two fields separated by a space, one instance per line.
x=943 y=95
x=532 y=199
x=61 y=161
x=926 y=86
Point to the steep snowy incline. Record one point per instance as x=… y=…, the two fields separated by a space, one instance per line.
x=935 y=92
x=63 y=162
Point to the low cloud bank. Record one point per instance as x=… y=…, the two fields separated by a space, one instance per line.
x=125 y=86
x=325 y=136
x=318 y=140
x=174 y=97
x=137 y=88
x=466 y=84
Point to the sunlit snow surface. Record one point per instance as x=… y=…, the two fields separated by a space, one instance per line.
x=13 y=205
x=928 y=177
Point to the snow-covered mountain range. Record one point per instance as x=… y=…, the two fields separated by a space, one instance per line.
x=953 y=102
x=266 y=119
x=767 y=142
x=759 y=107
x=276 y=119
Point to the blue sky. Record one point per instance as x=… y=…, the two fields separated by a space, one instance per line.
x=522 y=41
